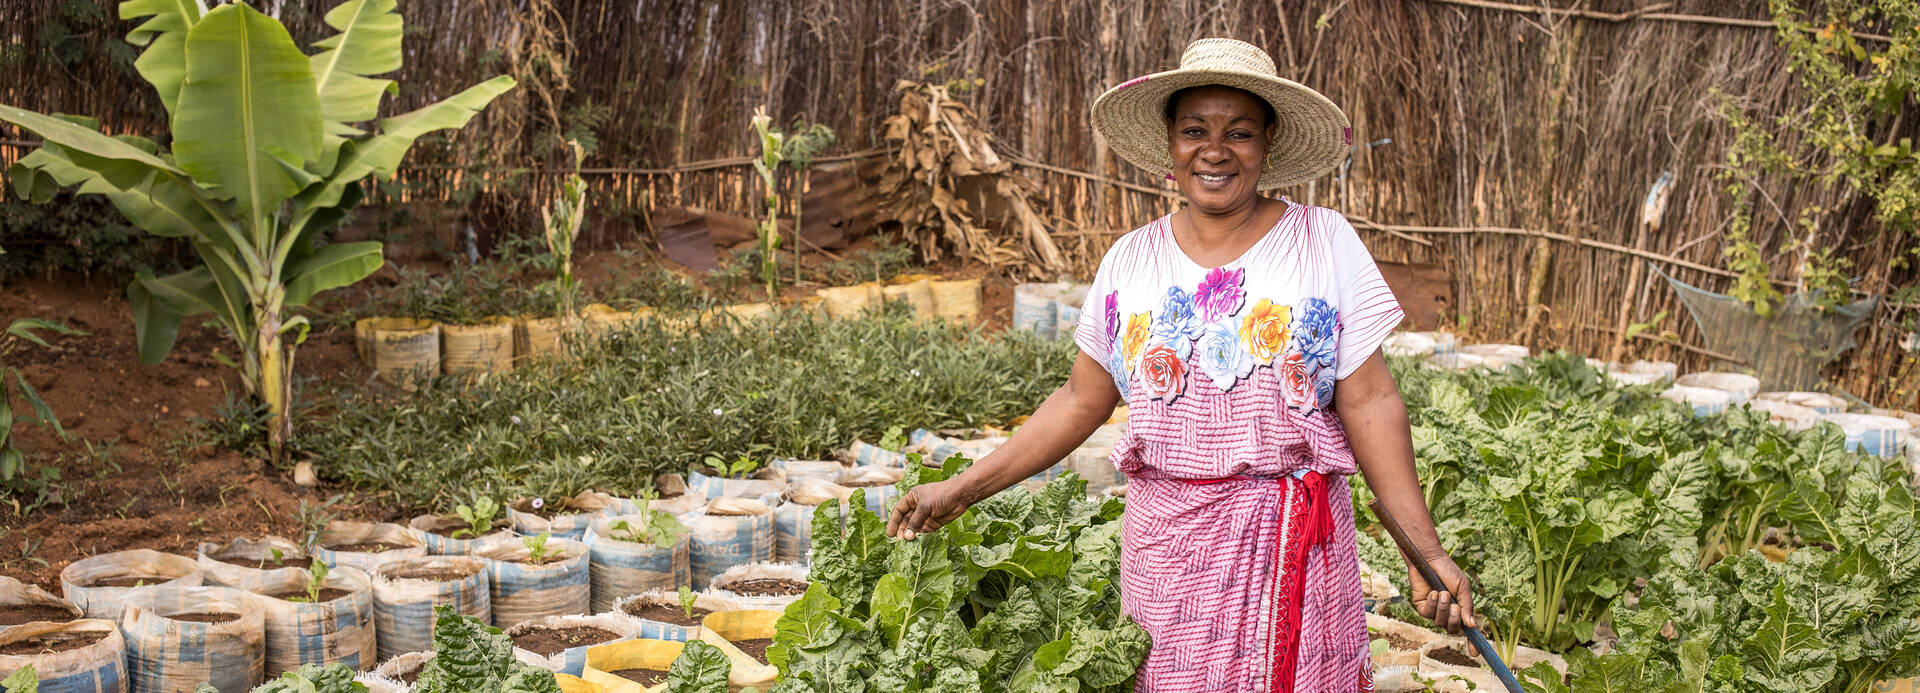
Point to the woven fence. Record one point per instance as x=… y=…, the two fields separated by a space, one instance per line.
x=1511 y=143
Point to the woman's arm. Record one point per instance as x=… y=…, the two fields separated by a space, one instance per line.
x=1375 y=418
x=1061 y=424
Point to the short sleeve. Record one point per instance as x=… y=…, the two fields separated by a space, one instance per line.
x=1368 y=310
x=1095 y=332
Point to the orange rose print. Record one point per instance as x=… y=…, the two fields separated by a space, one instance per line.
x=1265 y=330
x=1139 y=327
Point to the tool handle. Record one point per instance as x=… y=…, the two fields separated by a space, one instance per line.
x=1432 y=577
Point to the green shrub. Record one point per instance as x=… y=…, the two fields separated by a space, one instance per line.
x=648 y=401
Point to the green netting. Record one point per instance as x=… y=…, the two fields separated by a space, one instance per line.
x=1786 y=351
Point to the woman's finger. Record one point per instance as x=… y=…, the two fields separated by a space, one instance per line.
x=1466 y=607
x=917 y=520
x=899 y=514
x=1443 y=611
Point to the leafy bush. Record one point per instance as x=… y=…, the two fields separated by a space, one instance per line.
x=1020 y=593
x=77 y=233
x=650 y=400
x=1563 y=495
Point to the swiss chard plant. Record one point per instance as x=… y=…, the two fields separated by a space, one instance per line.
x=657 y=528
x=268 y=148
x=1018 y=594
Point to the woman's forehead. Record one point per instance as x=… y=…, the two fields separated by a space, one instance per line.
x=1217 y=101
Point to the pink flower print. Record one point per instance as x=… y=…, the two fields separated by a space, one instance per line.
x=1220 y=294
x=1113 y=315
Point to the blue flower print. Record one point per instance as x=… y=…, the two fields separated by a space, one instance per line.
x=1178 y=321
x=1117 y=367
x=1323 y=384
x=1316 y=330
x=1222 y=357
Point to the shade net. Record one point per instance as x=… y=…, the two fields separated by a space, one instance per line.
x=1786 y=351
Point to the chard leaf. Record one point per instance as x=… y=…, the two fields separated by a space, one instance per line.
x=1786 y=653
x=919 y=584
x=22 y=680
x=700 y=668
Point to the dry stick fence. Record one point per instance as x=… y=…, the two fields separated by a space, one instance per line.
x=1460 y=87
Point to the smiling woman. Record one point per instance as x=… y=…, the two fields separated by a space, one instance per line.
x=1243 y=332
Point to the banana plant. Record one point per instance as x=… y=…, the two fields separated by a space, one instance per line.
x=268 y=147
x=768 y=166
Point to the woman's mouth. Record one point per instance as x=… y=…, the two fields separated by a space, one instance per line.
x=1213 y=181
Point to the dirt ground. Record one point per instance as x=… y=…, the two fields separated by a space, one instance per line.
x=131 y=474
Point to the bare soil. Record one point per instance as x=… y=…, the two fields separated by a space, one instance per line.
x=547 y=510
x=768 y=587
x=755 y=648
x=411 y=675
x=449 y=526
x=547 y=642
x=327 y=594
x=52 y=642
x=151 y=480
x=1399 y=643
x=434 y=574
x=867 y=484
x=665 y=613
x=644 y=677
x=206 y=617
x=1448 y=655
x=27 y=613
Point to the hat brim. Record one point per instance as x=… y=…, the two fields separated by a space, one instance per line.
x=1311 y=137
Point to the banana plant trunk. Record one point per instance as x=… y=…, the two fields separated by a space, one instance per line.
x=275 y=384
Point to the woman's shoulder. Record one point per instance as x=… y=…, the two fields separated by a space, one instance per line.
x=1133 y=246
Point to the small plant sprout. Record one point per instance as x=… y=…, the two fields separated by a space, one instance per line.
x=479 y=517
x=894 y=439
x=313 y=519
x=316 y=580
x=687 y=598
x=277 y=556
x=563 y=222
x=739 y=468
x=537 y=551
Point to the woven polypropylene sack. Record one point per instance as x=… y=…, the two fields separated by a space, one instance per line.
x=621 y=568
x=564 y=518
x=339 y=631
x=100 y=667
x=1740 y=386
x=864 y=454
x=793 y=518
x=662 y=630
x=525 y=591
x=768 y=482
x=405 y=544
x=536 y=338
x=918 y=295
x=483 y=348
x=956 y=301
x=847 y=301
x=573 y=660
x=403 y=605
x=399 y=667
x=798 y=471
x=639 y=653
x=723 y=629
x=14 y=593
x=168 y=654
x=233 y=564
x=725 y=533
x=79 y=580
x=405 y=349
x=878 y=482
x=436 y=531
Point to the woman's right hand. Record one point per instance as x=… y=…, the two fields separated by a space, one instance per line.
x=927 y=508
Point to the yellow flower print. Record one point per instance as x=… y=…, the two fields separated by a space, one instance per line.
x=1265 y=330
x=1139 y=327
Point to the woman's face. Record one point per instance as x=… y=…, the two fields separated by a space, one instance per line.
x=1218 y=140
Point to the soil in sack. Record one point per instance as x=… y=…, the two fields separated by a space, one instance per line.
x=405 y=668
x=560 y=643
x=660 y=615
x=367 y=545
x=793 y=520
x=406 y=591
x=553 y=641
x=730 y=630
x=564 y=518
x=228 y=651
x=100 y=585
x=522 y=590
x=618 y=666
x=621 y=568
x=336 y=628
x=22 y=602
x=770 y=586
x=728 y=532
x=644 y=677
x=84 y=656
x=438 y=531
x=247 y=563
x=755 y=648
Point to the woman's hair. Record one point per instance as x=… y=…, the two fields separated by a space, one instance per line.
x=1173 y=100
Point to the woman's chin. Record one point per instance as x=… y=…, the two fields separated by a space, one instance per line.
x=1216 y=199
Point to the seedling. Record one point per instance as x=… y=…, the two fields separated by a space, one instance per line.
x=537 y=551
x=277 y=556
x=479 y=518
x=894 y=439
x=316 y=579
x=660 y=529
x=313 y=519
x=739 y=468
x=687 y=598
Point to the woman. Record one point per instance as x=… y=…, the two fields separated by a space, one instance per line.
x=1244 y=333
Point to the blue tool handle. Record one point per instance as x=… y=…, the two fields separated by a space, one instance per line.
x=1493 y=660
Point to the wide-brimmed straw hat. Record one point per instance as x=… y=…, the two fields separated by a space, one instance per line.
x=1311 y=136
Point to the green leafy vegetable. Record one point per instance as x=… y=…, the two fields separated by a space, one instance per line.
x=472 y=657
x=479 y=518
x=700 y=668
x=687 y=598
x=316 y=580
x=22 y=680
x=537 y=551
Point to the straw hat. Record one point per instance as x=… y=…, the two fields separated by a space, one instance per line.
x=1312 y=134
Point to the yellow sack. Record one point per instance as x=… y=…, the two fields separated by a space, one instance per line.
x=575 y=684
x=603 y=660
x=483 y=348
x=721 y=628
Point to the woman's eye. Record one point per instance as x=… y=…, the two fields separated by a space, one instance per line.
x=1195 y=132
x=1241 y=135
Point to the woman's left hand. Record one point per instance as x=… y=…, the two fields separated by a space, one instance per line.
x=1451 y=606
